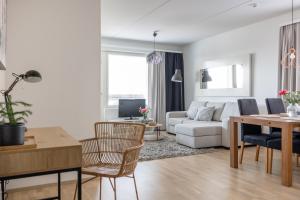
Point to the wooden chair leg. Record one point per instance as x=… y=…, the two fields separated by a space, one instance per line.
x=100 y=188
x=267 y=161
x=297 y=159
x=136 y=192
x=257 y=153
x=270 y=161
x=242 y=152
x=75 y=192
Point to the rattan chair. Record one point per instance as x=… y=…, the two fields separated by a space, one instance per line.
x=113 y=153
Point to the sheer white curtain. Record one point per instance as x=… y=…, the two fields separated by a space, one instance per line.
x=157 y=91
x=289 y=73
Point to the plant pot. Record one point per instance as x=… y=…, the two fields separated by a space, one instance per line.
x=12 y=134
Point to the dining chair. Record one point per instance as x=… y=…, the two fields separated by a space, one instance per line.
x=112 y=153
x=276 y=106
x=276 y=144
x=251 y=133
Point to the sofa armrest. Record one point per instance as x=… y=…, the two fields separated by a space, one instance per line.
x=176 y=114
x=226 y=133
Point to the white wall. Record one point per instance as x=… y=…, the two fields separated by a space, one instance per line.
x=60 y=39
x=261 y=39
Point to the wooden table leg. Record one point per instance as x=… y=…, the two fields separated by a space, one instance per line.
x=286 y=155
x=234 y=144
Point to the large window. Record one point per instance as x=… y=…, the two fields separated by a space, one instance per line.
x=127 y=77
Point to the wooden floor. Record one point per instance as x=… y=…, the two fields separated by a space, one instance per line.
x=206 y=176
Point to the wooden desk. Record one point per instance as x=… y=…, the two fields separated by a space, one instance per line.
x=56 y=152
x=287 y=126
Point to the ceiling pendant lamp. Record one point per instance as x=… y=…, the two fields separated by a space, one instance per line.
x=154 y=57
x=291 y=54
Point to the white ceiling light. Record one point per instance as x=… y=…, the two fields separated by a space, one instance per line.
x=154 y=57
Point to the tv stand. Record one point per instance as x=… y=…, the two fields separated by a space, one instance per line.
x=131 y=118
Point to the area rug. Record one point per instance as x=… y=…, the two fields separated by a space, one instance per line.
x=168 y=148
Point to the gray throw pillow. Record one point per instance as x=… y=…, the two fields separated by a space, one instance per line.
x=205 y=113
x=193 y=109
x=219 y=107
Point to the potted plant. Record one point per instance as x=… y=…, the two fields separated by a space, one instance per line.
x=144 y=111
x=12 y=126
x=292 y=98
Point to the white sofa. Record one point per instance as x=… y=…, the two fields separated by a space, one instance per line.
x=200 y=134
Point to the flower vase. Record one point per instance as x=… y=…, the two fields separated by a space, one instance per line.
x=145 y=119
x=292 y=110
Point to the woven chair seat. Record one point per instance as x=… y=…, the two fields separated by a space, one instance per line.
x=104 y=170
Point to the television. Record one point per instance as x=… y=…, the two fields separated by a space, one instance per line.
x=130 y=107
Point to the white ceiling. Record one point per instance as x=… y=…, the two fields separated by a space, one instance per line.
x=183 y=21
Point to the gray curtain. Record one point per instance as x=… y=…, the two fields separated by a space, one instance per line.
x=289 y=73
x=157 y=91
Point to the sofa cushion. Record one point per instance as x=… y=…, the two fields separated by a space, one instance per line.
x=174 y=121
x=205 y=114
x=219 y=106
x=193 y=109
x=199 y=128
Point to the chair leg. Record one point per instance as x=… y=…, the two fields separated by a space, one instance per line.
x=75 y=192
x=100 y=188
x=242 y=152
x=297 y=159
x=136 y=192
x=270 y=161
x=267 y=161
x=115 y=189
x=257 y=153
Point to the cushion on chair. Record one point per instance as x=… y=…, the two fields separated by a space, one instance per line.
x=259 y=139
x=205 y=114
x=193 y=109
x=219 y=107
x=275 y=134
x=276 y=144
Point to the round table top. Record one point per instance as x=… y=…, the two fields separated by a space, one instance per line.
x=153 y=126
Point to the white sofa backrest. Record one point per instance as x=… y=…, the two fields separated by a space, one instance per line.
x=193 y=109
x=197 y=104
x=230 y=109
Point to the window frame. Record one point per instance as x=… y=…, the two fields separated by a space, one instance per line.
x=106 y=73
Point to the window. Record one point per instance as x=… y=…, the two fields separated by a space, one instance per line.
x=127 y=78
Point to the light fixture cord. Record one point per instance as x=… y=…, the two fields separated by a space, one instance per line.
x=154 y=36
x=293 y=27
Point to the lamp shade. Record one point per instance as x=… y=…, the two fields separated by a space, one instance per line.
x=2 y=66
x=32 y=76
x=154 y=58
x=206 y=77
x=177 y=77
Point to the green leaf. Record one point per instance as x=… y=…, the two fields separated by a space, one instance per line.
x=16 y=103
x=21 y=119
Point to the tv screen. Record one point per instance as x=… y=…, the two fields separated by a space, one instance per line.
x=130 y=107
